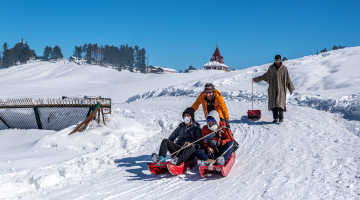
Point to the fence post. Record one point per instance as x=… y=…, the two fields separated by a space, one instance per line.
x=110 y=106
x=37 y=118
x=96 y=107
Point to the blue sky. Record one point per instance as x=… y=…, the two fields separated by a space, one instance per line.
x=177 y=34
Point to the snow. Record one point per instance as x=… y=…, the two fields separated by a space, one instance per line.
x=214 y=64
x=314 y=154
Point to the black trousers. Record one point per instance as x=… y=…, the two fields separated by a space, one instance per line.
x=278 y=113
x=183 y=155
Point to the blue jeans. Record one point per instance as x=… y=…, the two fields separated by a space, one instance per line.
x=202 y=155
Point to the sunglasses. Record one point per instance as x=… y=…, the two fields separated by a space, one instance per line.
x=211 y=120
x=277 y=61
x=208 y=92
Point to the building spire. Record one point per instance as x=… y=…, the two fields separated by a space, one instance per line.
x=216 y=45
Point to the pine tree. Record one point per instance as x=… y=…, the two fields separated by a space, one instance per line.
x=26 y=53
x=137 y=58
x=47 y=52
x=17 y=52
x=88 y=51
x=180 y=71
x=78 y=51
x=7 y=59
x=335 y=47
x=143 y=61
x=57 y=52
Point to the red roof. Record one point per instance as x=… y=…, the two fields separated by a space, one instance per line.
x=217 y=56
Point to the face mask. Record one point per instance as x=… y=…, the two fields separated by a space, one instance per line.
x=187 y=120
x=213 y=128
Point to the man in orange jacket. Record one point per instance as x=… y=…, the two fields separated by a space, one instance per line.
x=211 y=99
x=217 y=145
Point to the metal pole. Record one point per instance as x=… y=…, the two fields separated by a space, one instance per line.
x=252 y=96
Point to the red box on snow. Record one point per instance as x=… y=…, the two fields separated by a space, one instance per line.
x=254 y=114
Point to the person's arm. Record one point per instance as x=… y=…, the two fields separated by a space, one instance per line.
x=226 y=137
x=223 y=108
x=264 y=77
x=175 y=134
x=198 y=135
x=289 y=83
x=204 y=143
x=197 y=103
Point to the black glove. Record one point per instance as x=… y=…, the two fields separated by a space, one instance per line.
x=214 y=144
x=227 y=125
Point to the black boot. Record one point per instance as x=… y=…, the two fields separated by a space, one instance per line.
x=275 y=120
x=281 y=120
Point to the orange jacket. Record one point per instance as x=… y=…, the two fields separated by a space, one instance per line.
x=220 y=105
x=226 y=136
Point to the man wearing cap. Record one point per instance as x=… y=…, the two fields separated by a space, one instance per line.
x=211 y=99
x=187 y=132
x=279 y=81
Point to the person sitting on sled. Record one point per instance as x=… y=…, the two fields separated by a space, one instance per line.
x=211 y=99
x=186 y=133
x=218 y=145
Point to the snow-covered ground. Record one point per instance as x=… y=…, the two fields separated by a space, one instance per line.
x=314 y=154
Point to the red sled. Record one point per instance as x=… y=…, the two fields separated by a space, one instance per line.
x=173 y=169
x=182 y=167
x=254 y=114
x=158 y=169
x=224 y=169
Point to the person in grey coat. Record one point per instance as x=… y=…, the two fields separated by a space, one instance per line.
x=187 y=132
x=279 y=81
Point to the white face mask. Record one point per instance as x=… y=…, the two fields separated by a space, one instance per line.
x=187 y=120
x=213 y=128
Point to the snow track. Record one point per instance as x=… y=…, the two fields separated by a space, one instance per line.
x=312 y=155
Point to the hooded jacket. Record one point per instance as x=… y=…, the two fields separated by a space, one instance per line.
x=225 y=136
x=220 y=105
x=184 y=134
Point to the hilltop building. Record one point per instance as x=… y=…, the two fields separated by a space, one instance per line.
x=216 y=62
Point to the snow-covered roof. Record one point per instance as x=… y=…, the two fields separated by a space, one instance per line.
x=214 y=64
x=168 y=69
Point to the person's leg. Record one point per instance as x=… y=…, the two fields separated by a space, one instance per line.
x=281 y=113
x=200 y=154
x=226 y=147
x=275 y=114
x=185 y=154
x=168 y=145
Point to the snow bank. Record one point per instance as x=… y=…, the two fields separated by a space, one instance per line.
x=307 y=151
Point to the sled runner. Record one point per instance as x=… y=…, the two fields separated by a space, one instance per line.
x=224 y=169
x=253 y=115
x=182 y=167
x=173 y=169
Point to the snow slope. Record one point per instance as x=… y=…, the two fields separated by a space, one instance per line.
x=314 y=154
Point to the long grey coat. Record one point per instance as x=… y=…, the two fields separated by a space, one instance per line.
x=278 y=80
